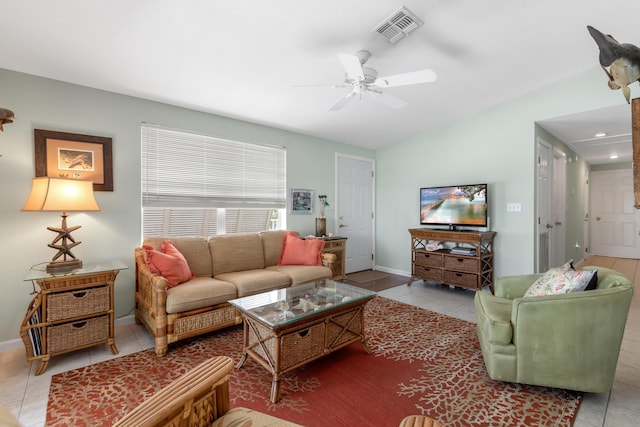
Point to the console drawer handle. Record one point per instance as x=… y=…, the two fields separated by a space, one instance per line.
x=304 y=333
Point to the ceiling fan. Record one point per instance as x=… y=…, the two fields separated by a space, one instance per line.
x=365 y=80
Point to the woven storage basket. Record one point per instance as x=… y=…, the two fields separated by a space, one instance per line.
x=300 y=346
x=67 y=305
x=429 y=259
x=426 y=273
x=462 y=279
x=77 y=334
x=462 y=264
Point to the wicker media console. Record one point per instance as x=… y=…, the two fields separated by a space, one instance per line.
x=465 y=259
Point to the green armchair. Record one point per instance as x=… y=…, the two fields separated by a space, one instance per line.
x=569 y=341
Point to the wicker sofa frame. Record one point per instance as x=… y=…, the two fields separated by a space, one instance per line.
x=151 y=300
x=167 y=328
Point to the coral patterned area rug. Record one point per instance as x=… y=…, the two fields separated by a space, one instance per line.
x=421 y=363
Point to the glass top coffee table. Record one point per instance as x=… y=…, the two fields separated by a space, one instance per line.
x=286 y=328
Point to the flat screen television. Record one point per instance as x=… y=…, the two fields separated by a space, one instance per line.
x=454 y=206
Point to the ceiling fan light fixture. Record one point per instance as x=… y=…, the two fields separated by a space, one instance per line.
x=363 y=79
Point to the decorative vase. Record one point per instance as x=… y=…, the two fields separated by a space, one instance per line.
x=321 y=227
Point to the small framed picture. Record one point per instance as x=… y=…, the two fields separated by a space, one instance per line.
x=74 y=156
x=301 y=201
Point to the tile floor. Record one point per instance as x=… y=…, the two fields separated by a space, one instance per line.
x=25 y=395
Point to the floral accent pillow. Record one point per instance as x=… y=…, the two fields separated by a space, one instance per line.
x=560 y=281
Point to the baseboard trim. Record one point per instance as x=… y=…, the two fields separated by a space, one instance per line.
x=392 y=271
x=11 y=344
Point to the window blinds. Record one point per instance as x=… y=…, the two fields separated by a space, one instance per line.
x=181 y=169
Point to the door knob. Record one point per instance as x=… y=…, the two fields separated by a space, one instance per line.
x=342 y=225
x=597 y=218
x=549 y=226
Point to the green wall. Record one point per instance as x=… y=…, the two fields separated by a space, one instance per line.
x=115 y=231
x=496 y=146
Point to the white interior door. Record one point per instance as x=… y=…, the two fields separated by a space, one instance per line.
x=354 y=212
x=558 y=211
x=543 y=206
x=614 y=220
x=586 y=207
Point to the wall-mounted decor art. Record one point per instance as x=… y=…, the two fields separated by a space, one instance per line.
x=301 y=201
x=74 y=156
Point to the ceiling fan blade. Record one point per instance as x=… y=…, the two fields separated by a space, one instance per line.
x=388 y=99
x=342 y=101
x=352 y=66
x=412 y=78
x=322 y=85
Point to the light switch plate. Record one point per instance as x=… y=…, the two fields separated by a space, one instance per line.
x=514 y=207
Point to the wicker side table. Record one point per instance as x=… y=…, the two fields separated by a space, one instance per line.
x=337 y=246
x=70 y=312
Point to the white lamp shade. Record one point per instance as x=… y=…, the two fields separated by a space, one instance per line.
x=61 y=195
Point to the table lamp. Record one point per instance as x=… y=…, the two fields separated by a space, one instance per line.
x=66 y=195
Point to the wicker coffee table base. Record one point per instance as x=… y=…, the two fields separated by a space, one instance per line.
x=291 y=346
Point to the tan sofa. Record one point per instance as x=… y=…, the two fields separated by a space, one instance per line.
x=225 y=267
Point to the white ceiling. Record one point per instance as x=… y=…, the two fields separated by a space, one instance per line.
x=579 y=131
x=242 y=58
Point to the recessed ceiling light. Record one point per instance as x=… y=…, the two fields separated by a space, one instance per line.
x=613 y=156
x=600 y=134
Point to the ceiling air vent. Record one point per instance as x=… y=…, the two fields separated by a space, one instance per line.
x=398 y=25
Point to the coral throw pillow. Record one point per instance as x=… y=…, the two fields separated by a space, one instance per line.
x=298 y=251
x=168 y=263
